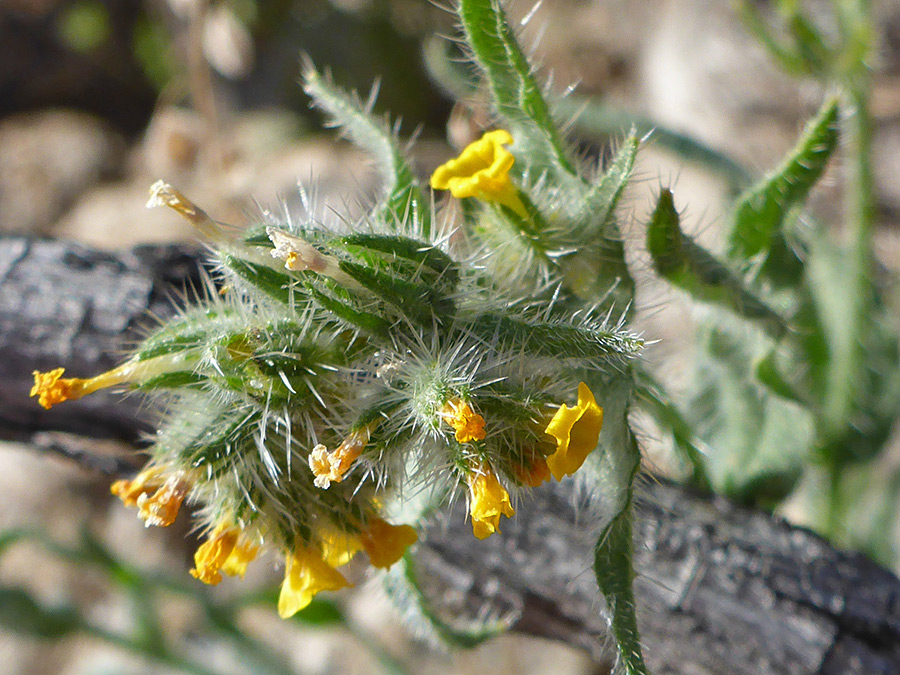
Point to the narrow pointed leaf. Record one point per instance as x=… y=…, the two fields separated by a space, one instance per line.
x=760 y=212
x=403 y=196
x=603 y=198
x=680 y=260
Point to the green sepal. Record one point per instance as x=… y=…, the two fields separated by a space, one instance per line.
x=516 y=94
x=175 y=380
x=272 y=283
x=602 y=199
x=416 y=301
x=403 y=196
x=429 y=261
x=188 y=331
x=556 y=339
x=761 y=212
x=369 y=323
x=677 y=258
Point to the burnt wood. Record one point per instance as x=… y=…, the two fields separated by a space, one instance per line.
x=720 y=589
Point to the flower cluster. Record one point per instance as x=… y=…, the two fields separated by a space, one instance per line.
x=342 y=366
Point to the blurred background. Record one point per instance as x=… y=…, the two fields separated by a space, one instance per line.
x=100 y=98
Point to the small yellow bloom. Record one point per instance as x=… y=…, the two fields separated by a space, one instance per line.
x=482 y=171
x=385 y=543
x=306 y=573
x=161 y=508
x=468 y=424
x=331 y=467
x=222 y=552
x=576 y=431
x=488 y=500
x=147 y=481
x=52 y=388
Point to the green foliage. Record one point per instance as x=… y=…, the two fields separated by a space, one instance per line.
x=808 y=404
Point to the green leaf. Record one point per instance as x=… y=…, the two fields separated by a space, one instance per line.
x=758 y=442
x=677 y=258
x=516 y=94
x=613 y=557
x=612 y=469
x=403 y=199
x=21 y=613
x=786 y=55
x=761 y=211
x=656 y=401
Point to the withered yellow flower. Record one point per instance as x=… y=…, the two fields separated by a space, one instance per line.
x=482 y=171
x=576 y=431
x=331 y=467
x=222 y=552
x=385 y=543
x=147 y=481
x=488 y=500
x=468 y=424
x=161 y=508
x=306 y=573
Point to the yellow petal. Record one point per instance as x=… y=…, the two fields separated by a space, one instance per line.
x=468 y=424
x=211 y=555
x=385 y=543
x=488 y=500
x=338 y=548
x=482 y=171
x=576 y=431
x=162 y=507
x=146 y=482
x=306 y=573
x=241 y=555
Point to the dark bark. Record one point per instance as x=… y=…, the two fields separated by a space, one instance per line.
x=720 y=589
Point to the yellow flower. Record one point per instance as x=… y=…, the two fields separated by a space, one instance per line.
x=576 y=431
x=487 y=501
x=468 y=424
x=482 y=171
x=386 y=543
x=306 y=573
x=52 y=388
x=331 y=467
x=223 y=552
x=158 y=500
x=161 y=508
x=147 y=481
